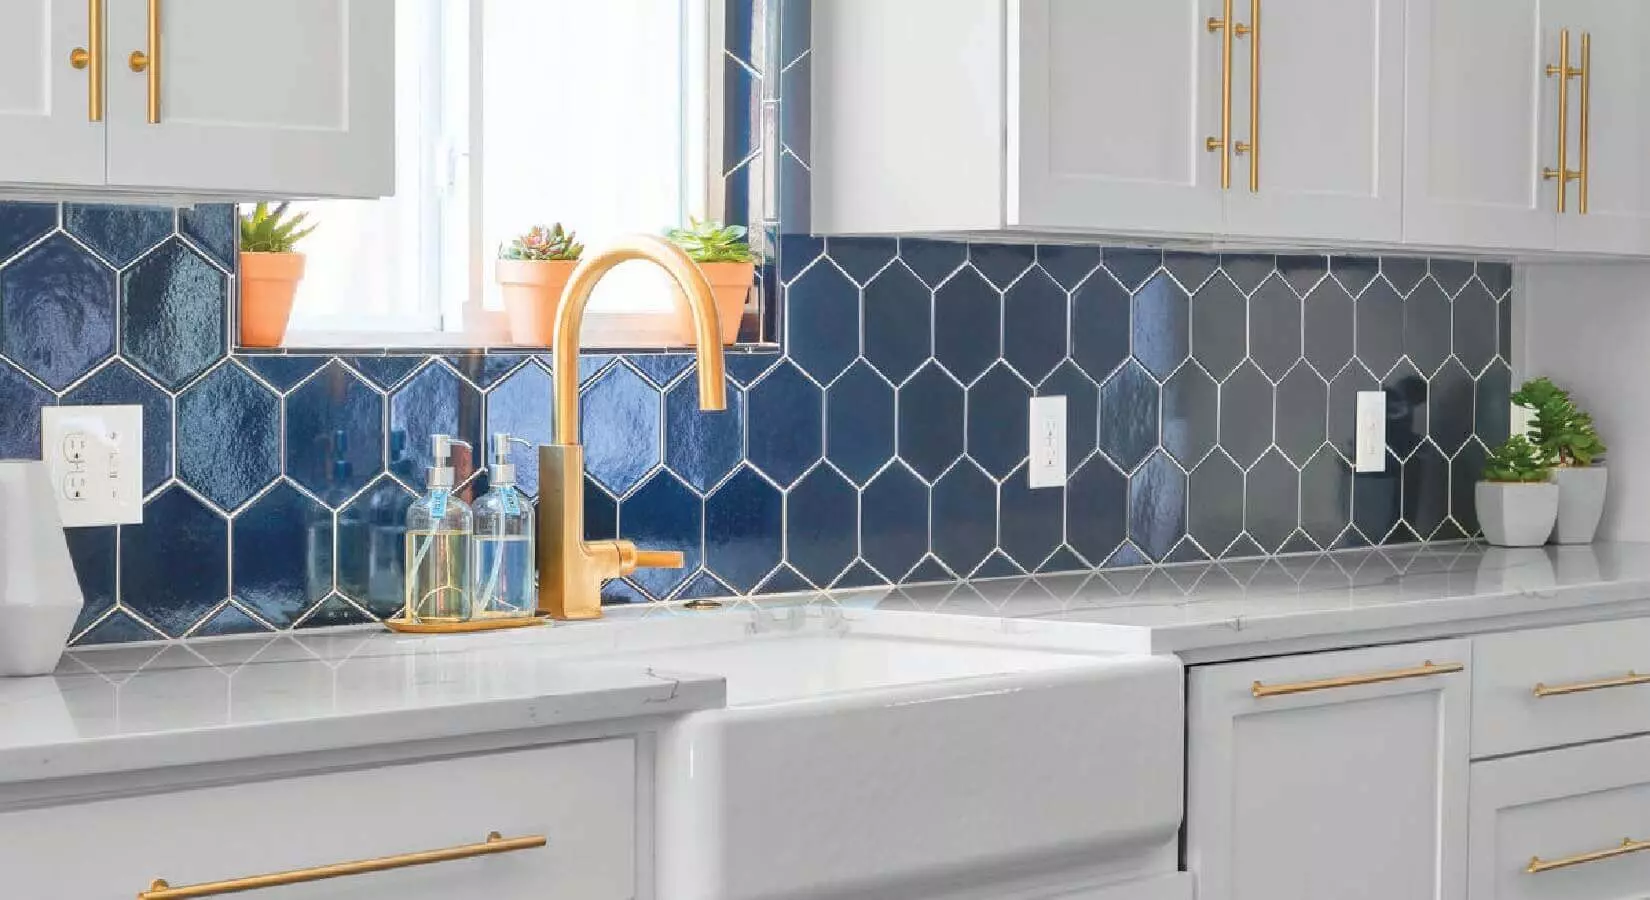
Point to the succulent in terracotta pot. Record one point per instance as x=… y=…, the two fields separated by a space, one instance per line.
x=724 y=254
x=1565 y=434
x=1517 y=504
x=271 y=268
x=532 y=270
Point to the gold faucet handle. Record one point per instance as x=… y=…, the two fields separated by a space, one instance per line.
x=659 y=559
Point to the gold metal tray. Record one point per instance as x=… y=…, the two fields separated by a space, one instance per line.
x=403 y=626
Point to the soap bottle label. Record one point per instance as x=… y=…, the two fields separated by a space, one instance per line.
x=438 y=503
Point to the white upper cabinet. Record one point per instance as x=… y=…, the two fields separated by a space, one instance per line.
x=290 y=98
x=1111 y=104
x=1319 y=106
x=1482 y=124
x=47 y=132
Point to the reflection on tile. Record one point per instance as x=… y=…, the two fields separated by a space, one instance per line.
x=1426 y=490
x=1129 y=416
x=119 y=628
x=1376 y=501
x=1449 y=401
x=120 y=234
x=1157 y=506
x=619 y=424
x=820 y=514
x=173 y=567
x=173 y=306
x=372 y=548
x=93 y=552
x=1326 y=497
x=282 y=558
x=436 y=401
x=522 y=405
x=743 y=529
x=894 y=521
x=1162 y=325
x=334 y=434
x=1406 y=409
x=1191 y=410
x=119 y=384
x=1465 y=471
x=57 y=311
x=229 y=429
x=1494 y=395
x=703 y=447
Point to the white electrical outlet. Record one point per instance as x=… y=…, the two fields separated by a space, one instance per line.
x=1371 y=432
x=95 y=457
x=1048 y=442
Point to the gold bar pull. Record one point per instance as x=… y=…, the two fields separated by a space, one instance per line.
x=1563 y=174
x=1628 y=845
x=1424 y=670
x=90 y=60
x=495 y=844
x=1228 y=31
x=1252 y=147
x=149 y=62
x=1631 y=679
x=1586 y=115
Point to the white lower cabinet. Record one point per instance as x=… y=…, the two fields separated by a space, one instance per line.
x=581 y=798
x=1334 y=775
x=1571 y=824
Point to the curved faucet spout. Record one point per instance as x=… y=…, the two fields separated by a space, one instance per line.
x=695 y=292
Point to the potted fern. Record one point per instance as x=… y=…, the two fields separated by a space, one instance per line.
x=533 y=270
x=271 y=268
x=1517 y=505
x=1564 y=433
x=725 y=256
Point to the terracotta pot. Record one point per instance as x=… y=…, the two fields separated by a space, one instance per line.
x=731 y=283
x=269 y=282
x=532 y=288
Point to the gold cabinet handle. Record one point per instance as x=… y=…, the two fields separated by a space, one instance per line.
x=90 y=60
x=1628 y=845
x=1586 y=115
x=495 y=844
x=1424 y=670
x=148 y=62
x=1631 y=679
x=1563 y=72
x=1228 y=31
x=1252 y=147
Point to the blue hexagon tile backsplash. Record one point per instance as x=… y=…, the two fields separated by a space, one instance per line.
x=1210 y=406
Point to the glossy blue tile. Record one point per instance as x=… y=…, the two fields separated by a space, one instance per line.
x=1504 y=328
x=173 y=309
x=1246 y=414
x=1492 y=415
x=1326 y=498
x=703 y=447
x=21 y=224
x=929 y=570
x=385 y=371
x=333 y=612
x=1465 y=471
x=334 y=434
x=1377 y=500
x=661 y=368
x=1303 y=272
x=486 y=369
x=746 y=368
x=20 y=427
x=1157 y=506
x=859 y=575
x=796 y=253
x=120 y=234
x=998 y=565
x=1354 y=273
x=785 y=424
x=1406 y=409
x=1099 y=325
x=822 y=321
x=1129 y=266
x=931 y=422
x=1380 y=327
x=1302 y=398
x=228 y=620
x=784 y=580
x=1220 y=322
x=1215 y=503
x=1451 y=274
x=861 y=257
x=371 y=548
x=1191 y=270
x=119 y=628
x=859 y=423
x=1403 y=274
x=1450 y=407
x=1474 y=312
x=740 y=129
x=933 y=261
x=283 y=553
x=213 y=227
x=795 y=121
x=1191 y=414
x=744 y=525
x=1162 y=325
x=898 y=311
x=281 y=371
x=1032 y=520
x=664 y=514
x=1062 y=560
x=796 y=35
x=894 y=521
x=1001 y=264
x=522 y=405
x=999 y=420
x=1068 y=264
x=621 y=429
x=968 y=315
x=704 y=585
x=965 y=517
x=229 y=429
x=1329 y=317
x=1426 y=490
x=437 y=401
x=1427 y=327
x=1272 y=523
x=1274 y=328
x=1034 y=325
x=94 y=553
x=1129 y=412
x=174 y=567
x=740 y=34
x=1082 y=409
x=1247 y=271
x=57 y=311
x=1496 y=276
x=601 y=512
x=1127 y=556
x=120 y=384
x=821 y=515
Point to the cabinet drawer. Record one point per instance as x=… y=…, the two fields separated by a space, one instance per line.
x=1585 y=690
x=581 y=797
x=1552 y=825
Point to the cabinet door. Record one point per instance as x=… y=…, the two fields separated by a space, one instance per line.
x=295 y=98
x=1325 y=119
x=1481 y=124
x=1109 y=105
x=1617 y=215
x=1354 y=789
x=45 y=120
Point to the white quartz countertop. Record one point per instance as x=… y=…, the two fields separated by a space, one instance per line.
x=1207 y=612
x=138 y=707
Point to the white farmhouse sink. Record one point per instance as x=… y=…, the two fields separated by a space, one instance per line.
x=906 y=755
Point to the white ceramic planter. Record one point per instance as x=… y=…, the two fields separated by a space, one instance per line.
x=1580 y=503
x=1517 y=515
x=39 y=593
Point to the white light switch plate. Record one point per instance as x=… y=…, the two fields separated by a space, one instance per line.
x=1371 y=432
x=1048 y=442
x=95 y=457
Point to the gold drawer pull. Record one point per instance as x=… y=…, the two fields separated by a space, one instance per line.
x=1424 y=670
x=1628 y=680
x=494 y=844
x=1628 y=845
x=147 y=62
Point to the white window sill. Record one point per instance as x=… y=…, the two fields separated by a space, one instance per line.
x=602 y=331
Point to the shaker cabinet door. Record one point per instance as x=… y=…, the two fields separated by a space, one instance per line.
x=47 y=130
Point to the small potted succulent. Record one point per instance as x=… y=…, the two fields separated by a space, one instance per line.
x=271 y=268
x=533 y=270
x=1517 y=505
x=725 y=256
x=1565 y=435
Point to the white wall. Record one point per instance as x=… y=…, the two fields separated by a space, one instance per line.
x=1587 y=326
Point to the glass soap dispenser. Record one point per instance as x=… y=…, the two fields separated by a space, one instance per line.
x=439 y=525
x=501 y=567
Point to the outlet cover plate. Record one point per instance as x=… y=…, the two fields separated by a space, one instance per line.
x=95 y=457
x=1048 y=442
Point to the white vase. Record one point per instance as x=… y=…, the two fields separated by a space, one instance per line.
x=1517 y=515
x=39 y=594
x=1580 y=502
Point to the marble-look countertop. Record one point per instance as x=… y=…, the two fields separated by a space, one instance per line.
x=137 y=707
x=1208 y=612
